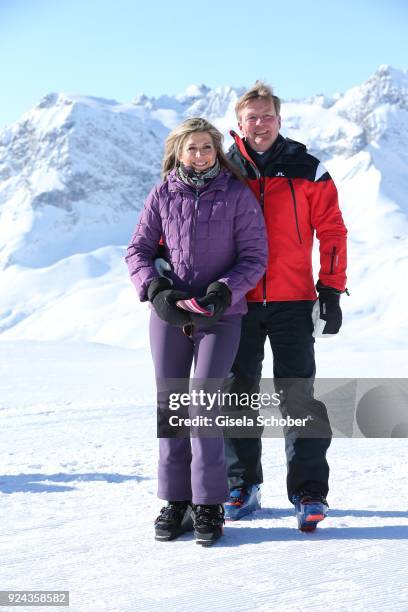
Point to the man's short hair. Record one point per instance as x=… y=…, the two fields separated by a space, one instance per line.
x=258 y=91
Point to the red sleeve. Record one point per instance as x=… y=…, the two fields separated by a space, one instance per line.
x=331 y=232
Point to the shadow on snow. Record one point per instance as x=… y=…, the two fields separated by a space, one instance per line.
x=271 y=513
x=40 y=483
x=257 y=535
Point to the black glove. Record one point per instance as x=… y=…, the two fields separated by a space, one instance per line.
x=163 y=299
x=217 y=294
x=326 y=315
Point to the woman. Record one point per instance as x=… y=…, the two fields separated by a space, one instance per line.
x=214 y=239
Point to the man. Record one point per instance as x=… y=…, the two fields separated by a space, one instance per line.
x=298 y=197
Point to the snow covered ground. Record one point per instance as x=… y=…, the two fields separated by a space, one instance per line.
x=78 y=497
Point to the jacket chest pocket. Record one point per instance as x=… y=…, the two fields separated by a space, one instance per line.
x=215 y=228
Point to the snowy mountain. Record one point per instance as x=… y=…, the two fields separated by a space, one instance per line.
x=74 y=172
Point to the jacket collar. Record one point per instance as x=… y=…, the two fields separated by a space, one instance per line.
x=286 y=146
x=241 y=147
x=219 y=183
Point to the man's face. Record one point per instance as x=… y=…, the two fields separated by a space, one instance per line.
x=260 y=124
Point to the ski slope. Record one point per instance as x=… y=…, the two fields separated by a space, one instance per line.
x=78 y=499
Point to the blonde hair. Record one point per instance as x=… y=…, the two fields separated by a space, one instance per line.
x=177 y=137
x=259 y=90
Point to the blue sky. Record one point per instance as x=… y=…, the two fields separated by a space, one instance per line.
x=119 y=48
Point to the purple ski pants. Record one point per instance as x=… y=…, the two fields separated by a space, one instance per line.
x=193 y=468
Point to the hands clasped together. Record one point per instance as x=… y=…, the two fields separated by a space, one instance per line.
x=164 y=299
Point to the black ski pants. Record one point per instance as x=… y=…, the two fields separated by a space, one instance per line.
x=289 y=327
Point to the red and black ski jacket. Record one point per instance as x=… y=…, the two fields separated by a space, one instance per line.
x=298 y=198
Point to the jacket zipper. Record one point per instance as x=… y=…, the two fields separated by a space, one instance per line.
x=292 y=189
x=333 y=255
x=262 y=202
x=261 y=180
x=193 y=231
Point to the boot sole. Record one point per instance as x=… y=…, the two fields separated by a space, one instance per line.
x=167 y=537
x=310 y=522
x=207 y=539
x=163 y=536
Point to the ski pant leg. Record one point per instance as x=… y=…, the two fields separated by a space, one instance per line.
x=172 y=354
x=290 y=330
x=194 y=470
x=244 y=454
x=215 y=348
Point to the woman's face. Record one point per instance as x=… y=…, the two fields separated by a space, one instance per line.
x=198 y=151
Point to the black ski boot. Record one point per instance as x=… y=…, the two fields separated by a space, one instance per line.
x=173 y=520
x=208 y=523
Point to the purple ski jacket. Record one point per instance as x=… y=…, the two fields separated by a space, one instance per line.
x=214 y=233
